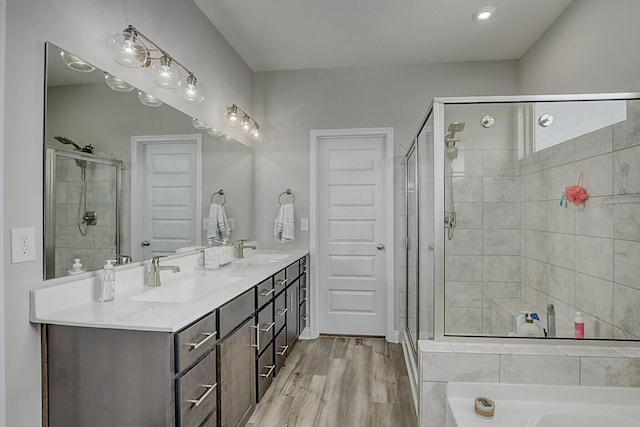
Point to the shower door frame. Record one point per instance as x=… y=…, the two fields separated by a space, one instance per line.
x=412 y=240
x=51 y=154
x=439 y=198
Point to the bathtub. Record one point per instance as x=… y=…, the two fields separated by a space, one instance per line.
x=518 y=405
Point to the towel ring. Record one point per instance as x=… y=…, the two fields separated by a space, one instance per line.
x=221 y=193
x=287 y=192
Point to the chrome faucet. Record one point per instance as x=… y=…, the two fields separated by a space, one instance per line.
x=155 y=268
x=240 y=247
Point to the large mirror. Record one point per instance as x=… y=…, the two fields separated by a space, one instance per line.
x=126 y=180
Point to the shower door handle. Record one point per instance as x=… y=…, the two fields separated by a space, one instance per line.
x=146 y=243
x=380 y=246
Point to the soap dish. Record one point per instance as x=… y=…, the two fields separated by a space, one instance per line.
x=485 y=407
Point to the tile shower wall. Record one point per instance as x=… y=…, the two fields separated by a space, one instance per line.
x=482 y=260
x=585 y=258
x=98 y=244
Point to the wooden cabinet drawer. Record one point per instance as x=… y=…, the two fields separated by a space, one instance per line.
x=265 y=292
x=303 y=318
x=266 y=371
x=212 y=421
x=292 y=314
x=281 y=349
x=233 y=313
x=196 y=392
x=280 y=310
x=293 y=271
x=280 y=281
x=267 y=325
x=194 y=341
x=304 y=288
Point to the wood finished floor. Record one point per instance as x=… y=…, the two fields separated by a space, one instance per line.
x=339 y=382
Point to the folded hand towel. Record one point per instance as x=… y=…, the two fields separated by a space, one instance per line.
x=285 y=224
x=218 y=226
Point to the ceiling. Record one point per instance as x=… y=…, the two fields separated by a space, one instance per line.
x=301 y=34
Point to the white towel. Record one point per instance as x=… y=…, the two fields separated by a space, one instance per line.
x=218 y=226
x=285 y=224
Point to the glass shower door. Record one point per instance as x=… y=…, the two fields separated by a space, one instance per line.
x=412 y=325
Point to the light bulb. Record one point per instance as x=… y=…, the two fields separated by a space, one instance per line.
x=165 y=75
x=247 y=124
x=214 y=132
x=116 y=83
x=233 y=116
x=484 y=13
x=190 y=90
x=76 y=63
x=128 y=49
x=148 y=100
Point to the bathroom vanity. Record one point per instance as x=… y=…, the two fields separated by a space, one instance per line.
x=174 y=355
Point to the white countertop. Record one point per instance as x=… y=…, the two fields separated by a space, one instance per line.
x=75 y=303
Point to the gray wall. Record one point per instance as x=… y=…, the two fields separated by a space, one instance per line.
x=592 y=47
x=84 y=27
x=296 y=102
x=2 y=232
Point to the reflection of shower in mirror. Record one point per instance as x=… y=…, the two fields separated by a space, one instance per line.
x=450 y=140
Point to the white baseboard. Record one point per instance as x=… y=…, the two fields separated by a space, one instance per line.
x=394 y=337
x=306 y=334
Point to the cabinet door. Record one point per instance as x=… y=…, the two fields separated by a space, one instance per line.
x=237 y=375
x=266 y=371
x=292 y=314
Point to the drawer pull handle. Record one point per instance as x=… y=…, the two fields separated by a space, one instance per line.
x=207 y=337
x=281 y=282
x=267 y=293
x=209 y=388
x=268 y=374
x=284 y=350
x=304 y=288
x=271 y=325
x=304 y=268
x=257 y=344
x=282 y=311
x=305 y=317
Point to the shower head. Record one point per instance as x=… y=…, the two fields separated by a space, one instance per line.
x=450 y=138
x=65 y=140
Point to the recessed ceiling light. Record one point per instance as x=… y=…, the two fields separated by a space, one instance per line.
x=484 y=13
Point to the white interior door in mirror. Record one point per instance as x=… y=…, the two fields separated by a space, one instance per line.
x=166 y=194
x=351 y=232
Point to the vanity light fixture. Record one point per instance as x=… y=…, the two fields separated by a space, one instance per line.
x=116 y=83
x=237 y=117
x=133 y=49
x=484 y=13
x=199 y=124
x=148 y=100
x=76 y=63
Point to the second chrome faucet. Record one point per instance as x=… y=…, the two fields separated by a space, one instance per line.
x=154 y=271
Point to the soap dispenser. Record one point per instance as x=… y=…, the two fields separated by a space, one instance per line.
x=529 y=329
x=77 y=267
x=108 y=284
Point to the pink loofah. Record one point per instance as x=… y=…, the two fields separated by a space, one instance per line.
x=576 y=194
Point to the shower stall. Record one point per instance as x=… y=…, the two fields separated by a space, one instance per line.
x=82 y=205
x=526 y=204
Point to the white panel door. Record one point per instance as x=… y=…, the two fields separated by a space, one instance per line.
x=169 y=195
x=351 y=230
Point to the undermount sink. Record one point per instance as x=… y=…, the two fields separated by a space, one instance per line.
x=583 y=419
x=185 y=291
x=263 y=257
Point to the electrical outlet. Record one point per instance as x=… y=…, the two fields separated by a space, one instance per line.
x=23 y=244
x=304 y=224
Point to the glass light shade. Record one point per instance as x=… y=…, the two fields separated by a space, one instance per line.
x=117 y=84
x=255 y=134
x=165 y=74
x=233 y=116
x=129 y=50
x=484 y=13
x=214 y=132
x=190 y=90
x=76 y=63
x=199 y=124
x=148 y=100
x=247 y=124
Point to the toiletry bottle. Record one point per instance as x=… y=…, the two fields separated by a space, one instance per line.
x=579 y=325
x=77 y=267
x=529 y=329
x=108 y=285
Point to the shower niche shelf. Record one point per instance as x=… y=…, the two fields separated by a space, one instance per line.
x=622 y=199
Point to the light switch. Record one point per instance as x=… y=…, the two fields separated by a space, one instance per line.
x=304 y=224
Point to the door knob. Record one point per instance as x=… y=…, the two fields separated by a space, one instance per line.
x=146 y=243
x=380 y=246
